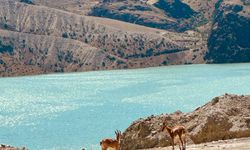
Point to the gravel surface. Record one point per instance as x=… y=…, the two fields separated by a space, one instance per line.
x=234 y=144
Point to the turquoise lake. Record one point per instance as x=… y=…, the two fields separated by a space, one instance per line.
x=76 y=110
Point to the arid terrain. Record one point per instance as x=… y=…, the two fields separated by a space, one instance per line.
x=45 y=36
x=234 y=144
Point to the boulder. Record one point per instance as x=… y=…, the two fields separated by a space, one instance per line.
x=224 y=117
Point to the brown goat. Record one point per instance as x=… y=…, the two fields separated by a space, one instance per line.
x=179 y=131
x=111 y=143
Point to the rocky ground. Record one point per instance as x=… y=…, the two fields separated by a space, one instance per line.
x=225 y=117
x=234 y=144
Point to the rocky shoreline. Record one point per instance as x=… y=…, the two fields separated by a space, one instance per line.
x=225 y=117
x=7 y=147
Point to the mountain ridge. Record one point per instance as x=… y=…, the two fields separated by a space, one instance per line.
x=126 y=44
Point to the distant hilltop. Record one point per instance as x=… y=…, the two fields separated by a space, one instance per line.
x=45 y=36
x=225 y=117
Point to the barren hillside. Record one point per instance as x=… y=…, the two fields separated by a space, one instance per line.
x=24 y=53
x=127 y=45
x=127 y=33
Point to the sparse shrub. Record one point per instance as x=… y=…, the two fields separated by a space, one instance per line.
x=5 y=26
x=27 y=2
x=65 y=35
x=2 y=62
x=73 y=35
x=215 y=100
x=111 y=58
x=119 y=62
x=165 y=62
x=6 y=48
x=149 y=52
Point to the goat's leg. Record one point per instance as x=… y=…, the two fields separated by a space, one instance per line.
x=173 y=143
x=185 y=142
x=181 y=141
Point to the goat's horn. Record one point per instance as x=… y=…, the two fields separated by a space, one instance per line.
x=116 y=132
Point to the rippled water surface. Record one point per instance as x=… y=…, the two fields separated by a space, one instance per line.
x=71 y=111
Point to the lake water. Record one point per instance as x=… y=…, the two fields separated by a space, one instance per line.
x=71 y=111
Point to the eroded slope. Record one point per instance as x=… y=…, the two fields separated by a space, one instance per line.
x=24 y=54
x=128 y=45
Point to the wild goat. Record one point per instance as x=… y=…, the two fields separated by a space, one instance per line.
x=111 y=143
x=179 y=131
